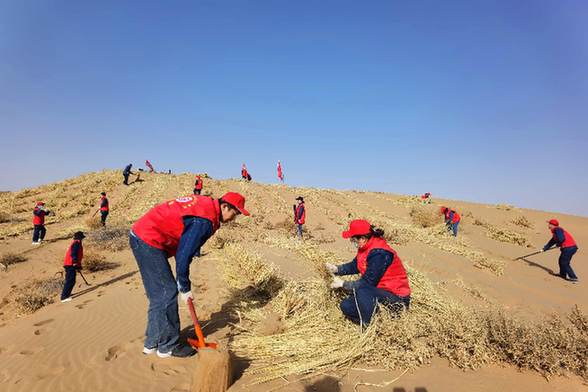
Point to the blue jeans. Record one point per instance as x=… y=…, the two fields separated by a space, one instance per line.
x=39 y=232
x=565 y=258
x=367 y=299
x=163 y=320
x=452 y=227
x=299 y=230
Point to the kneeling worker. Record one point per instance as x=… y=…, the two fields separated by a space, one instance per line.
x=383 y=277
x=175 y=228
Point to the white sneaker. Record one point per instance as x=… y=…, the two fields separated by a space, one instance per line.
x=36 y=243
x=66 y=300
x=148 y=351
x=164 y=355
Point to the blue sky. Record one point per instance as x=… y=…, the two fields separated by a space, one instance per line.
x=477 y=100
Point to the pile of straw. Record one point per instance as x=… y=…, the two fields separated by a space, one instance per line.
x=11 y=258
x=522 y=221
x=424 y=217
x=501 y=234
x=36 y=294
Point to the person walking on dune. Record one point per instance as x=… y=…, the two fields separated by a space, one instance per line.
x=39 y=230
x=175 y=228
x=299 y=216
x=72 y=264
x=198 y=185
x=126 y=172
x=245 y=173
x=567 y=246
x=452 y=219
x=104 y=208
x=383 y=279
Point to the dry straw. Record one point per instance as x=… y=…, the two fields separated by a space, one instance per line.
x=11 y=258
x=36 y=294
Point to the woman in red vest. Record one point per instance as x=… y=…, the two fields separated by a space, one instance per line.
x=383 y=277
x=71 y=264
x=175 y=228
x=567 y=246
x=104 y=208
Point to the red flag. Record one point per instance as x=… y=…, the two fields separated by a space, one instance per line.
x=149 y=165
x=280 y=174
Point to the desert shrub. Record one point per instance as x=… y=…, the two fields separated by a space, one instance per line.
x=424 y=217
x=113 y=238
x=93 y=222
x=36 y=294
x=11 y=258
x=523 y=222
x=5 y=217
x=94 y=261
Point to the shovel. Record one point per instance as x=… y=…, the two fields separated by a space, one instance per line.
x=199 y=342
x=533 y=254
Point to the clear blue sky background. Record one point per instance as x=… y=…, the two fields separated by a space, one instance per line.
x=477 y=100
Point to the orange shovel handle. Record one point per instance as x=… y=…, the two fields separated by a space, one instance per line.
x=199 y=342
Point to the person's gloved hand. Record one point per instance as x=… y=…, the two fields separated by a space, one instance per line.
x=337 y=283
x=332 y=268
x=78 y=267
x=184 y=296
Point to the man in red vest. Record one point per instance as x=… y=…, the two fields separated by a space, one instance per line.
x=383 y=277
x=104 y=208
x=175 y=228
x=39 y=230
x=567 y=246
x=452 y=219
x=299 y=215
x=198 y=185
x=71 y=264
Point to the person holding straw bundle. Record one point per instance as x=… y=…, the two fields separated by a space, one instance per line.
x=383 y=277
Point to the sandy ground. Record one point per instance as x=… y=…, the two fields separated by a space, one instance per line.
x=94 y=343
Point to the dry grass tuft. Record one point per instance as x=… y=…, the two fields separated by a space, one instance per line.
x=112 y=238
x=93 y=222
x=522 y=221
x=501 y=234
x=32 y=297
x=11 y=258
x=94 y=261
x=5 y=217
x=424 y=217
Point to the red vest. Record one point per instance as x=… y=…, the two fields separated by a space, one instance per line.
x=162 y=226
x=103 y=199
x=456 y=217
x=39 y=219
x=198 y=184
x=68 y=260
x=394 y=279
x=568 y=241
x=303 y=217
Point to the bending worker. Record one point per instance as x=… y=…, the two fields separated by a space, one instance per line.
x=452 y=220
x=567 y=246
x=383 y=277
x=175 y=228
x=126 y=173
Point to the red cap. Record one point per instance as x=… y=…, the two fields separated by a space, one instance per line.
x=40 y=203
x=357 y=227
x=236 y=200
x=554 y=222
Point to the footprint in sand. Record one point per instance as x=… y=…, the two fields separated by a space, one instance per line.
x=113 y=353
x=37 y=332
x=167 y=369
x=44 y=322
x=26 y=352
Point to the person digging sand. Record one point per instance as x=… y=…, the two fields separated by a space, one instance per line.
x=175 y=228
x=383 y=277
x=71 y=264
x=567 y=246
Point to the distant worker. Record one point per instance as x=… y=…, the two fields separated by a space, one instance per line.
x=426 y=198
x=198 y=185
x=452 y=219
x=126 y=172
x=280 y=172
x=245 y=173
x=175 y=228
x=104 y=208
x=299 y=215
x=71 y=264
x=383 y=279
x=39 y=230
x=567 y=246
x=149 y=166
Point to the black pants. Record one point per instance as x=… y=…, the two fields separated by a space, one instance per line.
x=126 y=176
x=103 y=215
x=39 y=232
x=70 y=281
x=196 y=191
x=565 y=258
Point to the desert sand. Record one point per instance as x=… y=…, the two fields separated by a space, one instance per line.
x=94 y=342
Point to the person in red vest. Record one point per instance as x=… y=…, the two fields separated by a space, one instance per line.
x=175 y=228
x=198 y=185
x=299 y=215
x=452 y=219
x=149 y=165
x=104 y=208
x=280 y=172
x=71 y=264
x=39 y=230
x=567 y=246
x=426 y=198
x=382 y=279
